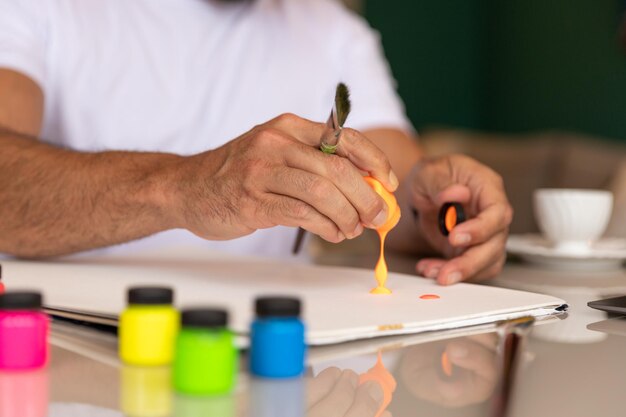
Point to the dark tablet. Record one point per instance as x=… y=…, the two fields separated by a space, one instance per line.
x=615 y=305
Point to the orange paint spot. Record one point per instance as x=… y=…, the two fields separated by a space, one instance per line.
x=429 y=297
x=451 y=218
x=380 y=374
x=381 y=271
x=446 y=365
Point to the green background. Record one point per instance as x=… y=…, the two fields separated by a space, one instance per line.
x=507 y=65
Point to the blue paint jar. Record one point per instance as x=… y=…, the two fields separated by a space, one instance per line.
x=277 y=346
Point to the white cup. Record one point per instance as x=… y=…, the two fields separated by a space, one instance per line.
x=572 y=219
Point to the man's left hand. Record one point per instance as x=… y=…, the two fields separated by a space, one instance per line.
x=474 y=249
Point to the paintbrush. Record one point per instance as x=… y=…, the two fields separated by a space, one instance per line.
x=330 y=138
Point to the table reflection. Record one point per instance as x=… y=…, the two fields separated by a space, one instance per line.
x=454 y=373
x=146 y=392
x=218 y=406
x=24 y=394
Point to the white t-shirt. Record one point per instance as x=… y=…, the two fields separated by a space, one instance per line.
x=186 y=76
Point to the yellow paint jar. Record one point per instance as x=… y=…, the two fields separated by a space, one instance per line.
x=148 y=327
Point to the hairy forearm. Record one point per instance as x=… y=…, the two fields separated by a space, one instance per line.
x=55 y=201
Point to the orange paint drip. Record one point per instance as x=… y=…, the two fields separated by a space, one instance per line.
x=451 y=217
x=429 y=297
x=446 y=365
x=393 y=217
x=380 y=374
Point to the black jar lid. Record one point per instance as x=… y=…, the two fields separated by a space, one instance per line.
x=204 y=317
x=278 y=307
x=21 y=300
x=150 y=295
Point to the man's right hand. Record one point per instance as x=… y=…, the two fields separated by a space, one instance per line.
x=275 y=174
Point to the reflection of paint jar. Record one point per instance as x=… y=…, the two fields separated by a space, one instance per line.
x=148 y=326
x=214 y=406
x=1 y=284
x=23 y=331
x=24 y=393
x=206 y=358
x=277 y=347
x=277 y=398
x=146 y=391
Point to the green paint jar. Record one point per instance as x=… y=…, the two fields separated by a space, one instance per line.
x=206 y=357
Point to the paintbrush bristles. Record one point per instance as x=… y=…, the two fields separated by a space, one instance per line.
x=342 y=103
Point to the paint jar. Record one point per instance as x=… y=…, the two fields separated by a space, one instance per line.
x=206 y=358
x=277 y=346
x=148 y=327
x=146 y=391
x=23 y=331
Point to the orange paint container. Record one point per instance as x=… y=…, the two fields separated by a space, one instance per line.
x=450 y=215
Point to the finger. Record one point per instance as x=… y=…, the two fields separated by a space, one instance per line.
x=339 y=400
x=352 y=145
x=456 y=193
x=304 y=130
x=319 y=193
x=288 y=211
x=494 y=219
x=473 y=357
x=430 y=267
x=320 y=386
x=491 y=271
x=368 y=157
x=472 y=261
x=367 y=401
x=371 y=208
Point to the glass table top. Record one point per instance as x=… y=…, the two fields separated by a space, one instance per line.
x=570 y=365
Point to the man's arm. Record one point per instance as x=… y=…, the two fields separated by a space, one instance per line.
x=55 y=201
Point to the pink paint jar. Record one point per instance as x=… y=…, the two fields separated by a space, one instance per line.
x=23 y=331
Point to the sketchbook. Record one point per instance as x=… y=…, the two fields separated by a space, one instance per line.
x=337 y=306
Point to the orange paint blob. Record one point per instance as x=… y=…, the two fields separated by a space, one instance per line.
x=429 y=297
x=393 y=217
x=451 y=218
x=387 y=382
x=446 y=365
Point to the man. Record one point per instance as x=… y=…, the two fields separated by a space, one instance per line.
x=153 y=116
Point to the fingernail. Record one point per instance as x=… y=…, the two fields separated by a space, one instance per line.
x=433 y=272
x=457 y=351
x=453 y=277
x=462 y=238
x=393 y=179
x=381 y=218
x=340 y=237
x=419 y=269
x=375 y=391
x=357 y=231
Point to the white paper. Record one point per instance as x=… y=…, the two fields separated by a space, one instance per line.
x=337 y=303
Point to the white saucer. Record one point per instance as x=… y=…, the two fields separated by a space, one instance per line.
x=604 y=254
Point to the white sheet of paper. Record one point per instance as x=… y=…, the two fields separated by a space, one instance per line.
x=337 y=303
